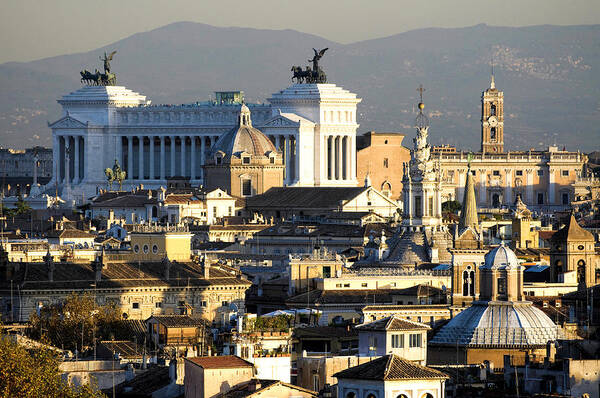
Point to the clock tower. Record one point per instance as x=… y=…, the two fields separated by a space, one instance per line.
x=492 y=119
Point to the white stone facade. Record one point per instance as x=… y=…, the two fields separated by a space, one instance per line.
x=313 y=124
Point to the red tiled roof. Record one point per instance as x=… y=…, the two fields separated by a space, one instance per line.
x=221 y=362
x=390 y=367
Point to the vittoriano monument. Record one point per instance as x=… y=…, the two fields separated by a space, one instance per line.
x=311 y=76
x=98 y=78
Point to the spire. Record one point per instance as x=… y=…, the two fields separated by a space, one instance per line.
x=468 y=216
x=421 y=121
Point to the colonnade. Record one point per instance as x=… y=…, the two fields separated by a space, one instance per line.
x=69 y=164
x=161 y=157
x=339 y=157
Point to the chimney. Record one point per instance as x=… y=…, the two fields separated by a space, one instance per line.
x=98 y=264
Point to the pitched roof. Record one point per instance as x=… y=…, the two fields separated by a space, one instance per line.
x=255 y=387
x=392 y=323
x=70 y=233
x=33 y=276
x=390 y=368
x=221 y=362
x=572 y=232
x=131 y=200
x=304 y=197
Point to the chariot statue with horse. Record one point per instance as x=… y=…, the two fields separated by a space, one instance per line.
x=98 y=78
x=311 y=75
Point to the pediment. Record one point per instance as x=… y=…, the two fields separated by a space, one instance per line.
x=280 y=121
x=67 y=122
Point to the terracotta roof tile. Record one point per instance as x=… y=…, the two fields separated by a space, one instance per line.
x=388 y=368
x=392 y=323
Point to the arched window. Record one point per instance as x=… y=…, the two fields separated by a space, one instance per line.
x=386 y=189
x=493 y=133
x=402 y=396
x=351 y=394
x=427 y=395
x=468 y=282
x=580 y=271
x=493 y=110
x=371 y=395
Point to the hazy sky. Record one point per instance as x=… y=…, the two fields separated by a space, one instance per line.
x=32 y=29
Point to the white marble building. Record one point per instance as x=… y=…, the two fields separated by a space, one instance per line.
x=314 y=125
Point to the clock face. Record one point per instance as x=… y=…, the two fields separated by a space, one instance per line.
x=493 y=121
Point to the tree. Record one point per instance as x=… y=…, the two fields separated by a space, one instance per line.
x=452 y=206
x=22 y=207
x=77 y=318
x=35 y=373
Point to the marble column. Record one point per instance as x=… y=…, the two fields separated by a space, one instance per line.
x=353 y=157
x=183 y=168
x=202 y=155
x=296 y=159
x=162 y=157
x=338 y=160
x=141 y=157
x=331 y=158
x=346 y=168
x=55 y=157
x=172 y=171
x=119 y=151
x=151 y=175
x=76 y=160
x=130 y=158
x=193 y=159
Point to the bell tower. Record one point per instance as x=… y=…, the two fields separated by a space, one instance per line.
x=492 y=119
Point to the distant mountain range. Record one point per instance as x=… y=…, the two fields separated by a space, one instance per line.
x=549 y=75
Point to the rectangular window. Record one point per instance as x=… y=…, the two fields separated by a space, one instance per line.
x=519 y=172
x=540 y=172
x=246 y=160
x=496 y=172
x=565 y=173
x=338 y=285
x=385 y=163
x=203 y=303
x=415 y=340
x=346 y=285
x=418 y=207
x=327 y=272
x=565 y=198
x=219 y=160
x=230 y=211
x=430 y=207
x=397 y=341
x=158 y=305
x=501 y=286
x=364 y=284
x=135 y=306
x=181 y=303
x=225 y=303
x=372 y=343
x=246 y=187
x=272 y=160
x=540 y=198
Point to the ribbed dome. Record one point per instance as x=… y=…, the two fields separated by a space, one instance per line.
x=498 y=324
x=244 y=138
x=501 y=257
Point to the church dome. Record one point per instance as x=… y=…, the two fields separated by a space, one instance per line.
x=498 y=325
x=501 y=257
x=244 y=138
